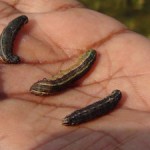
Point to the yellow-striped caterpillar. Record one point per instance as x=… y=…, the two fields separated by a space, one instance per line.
x=66 y=77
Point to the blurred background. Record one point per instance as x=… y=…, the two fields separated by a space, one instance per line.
x=134 y=13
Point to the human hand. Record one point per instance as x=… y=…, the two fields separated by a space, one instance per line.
x=57 y=33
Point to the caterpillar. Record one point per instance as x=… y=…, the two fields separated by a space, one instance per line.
x=7 y=38
x=94 y=110
x=66 y=77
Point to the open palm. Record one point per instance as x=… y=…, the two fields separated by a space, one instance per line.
x=57 y=33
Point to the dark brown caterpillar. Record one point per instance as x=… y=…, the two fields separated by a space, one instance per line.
x=66 y=77
x=7 y=38
x=94 y=110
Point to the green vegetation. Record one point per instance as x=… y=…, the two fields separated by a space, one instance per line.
x=134 y=13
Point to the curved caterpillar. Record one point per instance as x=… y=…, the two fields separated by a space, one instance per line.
x=7 y=38
x=94 y=110
x=66 y=77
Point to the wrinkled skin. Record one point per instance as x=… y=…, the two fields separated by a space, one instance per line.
x=57 y=33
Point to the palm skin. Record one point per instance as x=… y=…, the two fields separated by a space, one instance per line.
x=58 y=32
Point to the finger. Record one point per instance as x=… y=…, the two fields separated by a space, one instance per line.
x=41 y=6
